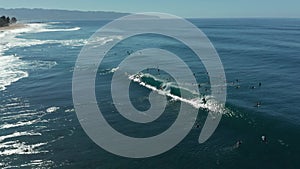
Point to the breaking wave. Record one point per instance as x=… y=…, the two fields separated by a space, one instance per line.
x=174 y=91
x=13 y=68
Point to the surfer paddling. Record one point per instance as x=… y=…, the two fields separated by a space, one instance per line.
x=204 y=101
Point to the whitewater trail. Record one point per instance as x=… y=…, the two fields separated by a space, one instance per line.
x=164 y=88
x=197 y=101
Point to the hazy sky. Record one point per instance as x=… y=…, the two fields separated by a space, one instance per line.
x=183 y=8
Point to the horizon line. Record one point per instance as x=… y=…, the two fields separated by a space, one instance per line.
x=237 y=17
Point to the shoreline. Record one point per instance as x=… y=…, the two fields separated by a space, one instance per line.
x=13 y=27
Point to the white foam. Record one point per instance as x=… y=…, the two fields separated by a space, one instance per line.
x=52 y=109
x=113 y=70
x=42 y=27
x=13 y=68
x=18 y=134
x=47 y=27
x=10 y=70
x=21 y=148
x=21 y=115
x=9 y=38
x=18 y=124
x=103 y=72
x=60 y=30
x=38 y=164
x=69 y=110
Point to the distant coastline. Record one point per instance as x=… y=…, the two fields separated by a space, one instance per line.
x=13 y=26
x=40 y=15
x=7 y=23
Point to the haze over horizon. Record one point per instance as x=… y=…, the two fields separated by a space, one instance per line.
x=188 y=9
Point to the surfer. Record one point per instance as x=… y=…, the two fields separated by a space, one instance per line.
x=259 y=84
x=238 y=144
x=258 y=104
x=204 y=100
x=158 y=70
x=263 y=138
x=161 y=87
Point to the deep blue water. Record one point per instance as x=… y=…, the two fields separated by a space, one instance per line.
x=39 y=128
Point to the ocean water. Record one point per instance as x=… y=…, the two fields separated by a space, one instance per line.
x=39 y=127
